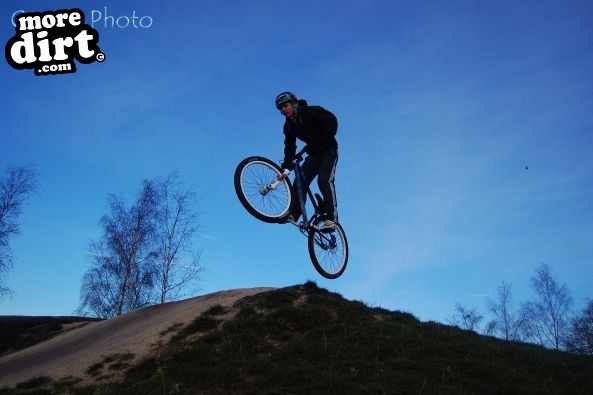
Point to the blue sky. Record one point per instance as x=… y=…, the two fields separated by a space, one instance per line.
x=441 y=107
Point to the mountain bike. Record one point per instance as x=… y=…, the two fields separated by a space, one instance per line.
x=266 y=193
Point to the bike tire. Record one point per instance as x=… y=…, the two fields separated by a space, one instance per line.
x=328 y=251
x=251 y=175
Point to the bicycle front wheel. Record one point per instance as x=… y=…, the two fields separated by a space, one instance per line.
x=252 y=177
x=328 y=251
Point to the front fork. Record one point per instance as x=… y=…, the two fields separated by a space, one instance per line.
x=270 y=187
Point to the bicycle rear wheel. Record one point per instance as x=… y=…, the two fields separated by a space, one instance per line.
x=254 y=174
x=328 y=251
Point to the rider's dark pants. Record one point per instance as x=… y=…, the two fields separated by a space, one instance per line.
x=322 y=165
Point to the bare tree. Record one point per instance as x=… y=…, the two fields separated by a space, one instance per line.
x=580 y=339
x=15 y=187
x=546 y=320
x=178 y=266
x=145 y=254
x=505 y=324
x=531 y=329
x=122 y=276
x=466 y=317
x=100 y=296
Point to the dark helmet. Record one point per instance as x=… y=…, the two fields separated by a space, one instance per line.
x=285 y=97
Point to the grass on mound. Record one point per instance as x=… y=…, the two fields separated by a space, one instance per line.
x=305 y=339
x=19 y=332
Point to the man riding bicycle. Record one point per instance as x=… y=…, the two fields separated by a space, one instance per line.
x=316 y=127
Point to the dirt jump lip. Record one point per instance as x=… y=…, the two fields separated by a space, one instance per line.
x=137 y=332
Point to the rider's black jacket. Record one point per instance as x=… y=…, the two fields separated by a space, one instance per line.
x=313 y=125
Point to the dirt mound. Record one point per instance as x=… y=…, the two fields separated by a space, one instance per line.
x=71 y=353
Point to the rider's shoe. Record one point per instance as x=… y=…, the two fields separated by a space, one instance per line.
x=328 y=226
x=291 y=218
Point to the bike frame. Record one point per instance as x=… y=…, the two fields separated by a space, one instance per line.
x=298 y=180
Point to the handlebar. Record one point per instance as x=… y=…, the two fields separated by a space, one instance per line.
x=299 y=155
x=297 y=158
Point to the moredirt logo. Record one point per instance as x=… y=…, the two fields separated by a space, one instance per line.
x=49 y=42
